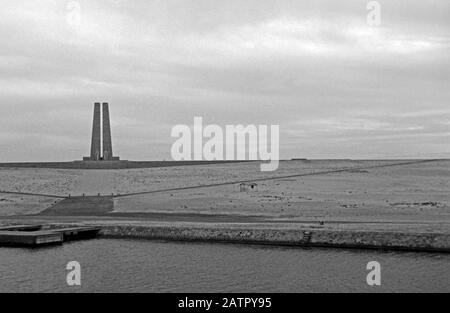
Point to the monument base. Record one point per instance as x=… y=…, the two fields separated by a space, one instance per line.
x=113 y=159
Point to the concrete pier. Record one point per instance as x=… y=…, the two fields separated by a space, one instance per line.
x=77 y=233
x=30 y=239
x=22 y=228
x=35 y=236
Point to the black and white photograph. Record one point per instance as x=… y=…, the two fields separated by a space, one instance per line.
x=224 y=155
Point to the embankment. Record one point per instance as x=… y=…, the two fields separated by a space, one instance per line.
x=110 y=165
x=429 y=242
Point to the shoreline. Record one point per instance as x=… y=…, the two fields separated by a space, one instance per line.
x=261 y=234
x=306 y=238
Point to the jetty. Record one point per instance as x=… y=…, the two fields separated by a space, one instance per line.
x=21 y=228
x=36 y=236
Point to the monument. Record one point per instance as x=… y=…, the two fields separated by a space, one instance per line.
x=101 y=144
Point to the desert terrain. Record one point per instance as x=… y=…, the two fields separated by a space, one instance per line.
x=414 y=195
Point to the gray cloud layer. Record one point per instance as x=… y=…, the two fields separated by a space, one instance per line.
x=336 y=86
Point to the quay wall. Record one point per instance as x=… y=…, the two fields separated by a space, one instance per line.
x=430 y=242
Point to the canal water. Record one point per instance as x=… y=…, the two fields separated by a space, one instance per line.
x=149 y=266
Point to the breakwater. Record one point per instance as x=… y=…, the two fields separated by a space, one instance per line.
x=432 y=242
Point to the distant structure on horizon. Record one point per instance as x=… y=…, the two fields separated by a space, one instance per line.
x=101 y=145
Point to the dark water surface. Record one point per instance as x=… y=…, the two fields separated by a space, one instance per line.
x=149 y=266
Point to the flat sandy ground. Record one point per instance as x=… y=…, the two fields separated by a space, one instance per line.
x=417 y=193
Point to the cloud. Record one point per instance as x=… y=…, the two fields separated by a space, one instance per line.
x=316 y=69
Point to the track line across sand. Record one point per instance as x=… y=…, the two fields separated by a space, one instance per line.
x=32 y=194
x=271 y=178
x=231 y=182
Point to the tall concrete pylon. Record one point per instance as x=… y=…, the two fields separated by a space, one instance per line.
x=96 y=134
x=107 y=142
x=101 y=145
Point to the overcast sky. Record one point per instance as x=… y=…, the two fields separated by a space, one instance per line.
x=337 y=87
